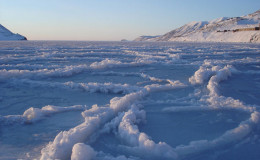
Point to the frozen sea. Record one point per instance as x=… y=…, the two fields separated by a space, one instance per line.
x=129 y=101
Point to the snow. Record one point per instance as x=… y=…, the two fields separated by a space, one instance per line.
x=218 y=20
x=81 y=151
x=6 y=35
x=35 y=114
x=207 y=31
x=129 y=100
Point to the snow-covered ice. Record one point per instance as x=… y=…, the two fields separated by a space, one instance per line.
x=129 y=100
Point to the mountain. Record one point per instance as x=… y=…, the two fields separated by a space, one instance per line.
x=145 y=38
x=235 y=29
x=6 y=35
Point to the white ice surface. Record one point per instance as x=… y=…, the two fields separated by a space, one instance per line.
x=146 y=100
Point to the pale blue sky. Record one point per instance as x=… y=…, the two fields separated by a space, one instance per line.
x=111 y=19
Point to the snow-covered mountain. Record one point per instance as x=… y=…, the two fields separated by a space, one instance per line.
x=6 y=35
x=219 y=30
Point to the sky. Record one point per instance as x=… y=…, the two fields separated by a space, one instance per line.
x=112 y=20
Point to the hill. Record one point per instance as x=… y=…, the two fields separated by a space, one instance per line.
x=6 y=35
x=234 y=29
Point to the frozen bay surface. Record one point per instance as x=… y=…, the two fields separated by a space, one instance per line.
x=129 y=100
